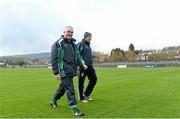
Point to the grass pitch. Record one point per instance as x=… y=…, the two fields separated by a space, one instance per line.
x=131 y=93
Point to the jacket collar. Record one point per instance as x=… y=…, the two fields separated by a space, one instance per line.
x=85 y=42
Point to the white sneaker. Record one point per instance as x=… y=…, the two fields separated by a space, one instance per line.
x=76 y=112
x=89 y=98
x=84 y=101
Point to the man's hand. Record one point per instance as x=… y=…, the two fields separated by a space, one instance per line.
x=85 y=67
x=58 y=77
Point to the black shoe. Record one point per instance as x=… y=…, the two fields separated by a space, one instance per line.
x=53 y=105
x=53 y=102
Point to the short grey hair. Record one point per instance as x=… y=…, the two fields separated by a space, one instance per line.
x=67 y=27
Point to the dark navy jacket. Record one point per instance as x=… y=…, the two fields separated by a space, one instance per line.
x=85 y=52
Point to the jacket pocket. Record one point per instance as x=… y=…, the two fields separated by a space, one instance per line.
x=69 y=70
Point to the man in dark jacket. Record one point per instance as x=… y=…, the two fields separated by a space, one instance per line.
x=65 y=58
x=86 y=54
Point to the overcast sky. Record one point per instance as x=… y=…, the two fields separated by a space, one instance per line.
x=31 y=26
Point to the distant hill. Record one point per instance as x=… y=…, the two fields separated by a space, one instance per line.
x=44 y=55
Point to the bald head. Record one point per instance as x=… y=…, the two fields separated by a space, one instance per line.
x=68 y=32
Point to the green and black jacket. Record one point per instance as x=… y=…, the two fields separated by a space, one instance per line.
x=65 y=57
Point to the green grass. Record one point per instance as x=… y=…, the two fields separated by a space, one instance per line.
x=131 y=92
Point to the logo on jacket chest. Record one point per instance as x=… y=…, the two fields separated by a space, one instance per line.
x=65 y=45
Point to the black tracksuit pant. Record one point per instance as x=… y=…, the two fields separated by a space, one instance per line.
x=91 y=74
x=67 y=86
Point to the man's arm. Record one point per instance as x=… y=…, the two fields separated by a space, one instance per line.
x=80 y=48
x=54 y=61
x=79 y=58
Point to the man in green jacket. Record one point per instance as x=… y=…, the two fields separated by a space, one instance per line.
x=65 y=58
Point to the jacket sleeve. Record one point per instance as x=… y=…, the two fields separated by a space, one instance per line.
x=54 y=59
x=79 y=58
x=80 y=49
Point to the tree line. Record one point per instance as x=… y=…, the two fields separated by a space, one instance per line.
x=116 y=55
x=119 y=55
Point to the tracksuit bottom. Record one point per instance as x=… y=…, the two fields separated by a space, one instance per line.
x=91 y=74
x=67 y=86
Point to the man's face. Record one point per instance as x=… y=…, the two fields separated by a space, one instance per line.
x=88 y=39
x=68 y=32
